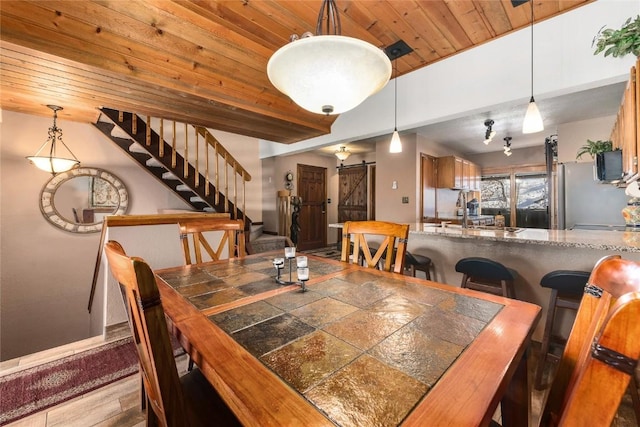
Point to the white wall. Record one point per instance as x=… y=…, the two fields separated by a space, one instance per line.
x=404 y=169
x=46 y=273
x=571 y=136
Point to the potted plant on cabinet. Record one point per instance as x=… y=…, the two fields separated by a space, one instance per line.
x=621 y=42
x=594 y=147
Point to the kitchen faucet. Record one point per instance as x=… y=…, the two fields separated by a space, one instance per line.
x=462 y=195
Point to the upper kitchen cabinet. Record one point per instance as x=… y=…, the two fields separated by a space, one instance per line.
x=454 y=172
x=449 y=172
x=626 y=133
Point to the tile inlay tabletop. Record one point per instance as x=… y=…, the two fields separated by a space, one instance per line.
x=362 y=347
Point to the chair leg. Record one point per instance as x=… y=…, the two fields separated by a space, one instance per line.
x=546 y=338
x=143 y=394
x=635 y=400
x=465 y=278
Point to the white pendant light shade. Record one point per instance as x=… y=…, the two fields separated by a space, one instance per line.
x=532 y=120
x=329 y=74
x=396 y=144
x=53 y=165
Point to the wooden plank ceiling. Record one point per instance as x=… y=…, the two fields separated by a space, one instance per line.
x=204 y=62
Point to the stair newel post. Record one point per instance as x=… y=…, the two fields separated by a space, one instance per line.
x=148 y=133
x=197 y=177
x=173 y=146
x=215 y=147
x=161 y=149
x=226 y=182
x=206 y=168
x=235 y=190
x=244 y=193
x=186 y=152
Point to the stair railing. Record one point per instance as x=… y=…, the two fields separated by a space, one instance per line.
x=200 y=156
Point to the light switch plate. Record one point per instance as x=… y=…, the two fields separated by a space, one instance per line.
x=405 y=199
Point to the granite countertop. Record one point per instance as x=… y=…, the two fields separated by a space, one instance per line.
x=459 y=217
x=619 y=241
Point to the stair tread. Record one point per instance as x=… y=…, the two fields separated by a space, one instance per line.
x=117 y=127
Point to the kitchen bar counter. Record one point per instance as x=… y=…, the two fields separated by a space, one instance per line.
x=531 y=252
x=619 y=241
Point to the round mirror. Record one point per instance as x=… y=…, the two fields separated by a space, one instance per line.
x=79 y=199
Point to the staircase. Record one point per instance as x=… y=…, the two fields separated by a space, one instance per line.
x=183 y=164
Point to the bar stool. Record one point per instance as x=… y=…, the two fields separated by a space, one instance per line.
x=483 y=274
x=417 y=262
x=567 y=288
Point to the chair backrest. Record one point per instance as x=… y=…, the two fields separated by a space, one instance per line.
x=360 y=230
x=602 y=351
x=229 y=231
x=150 y=334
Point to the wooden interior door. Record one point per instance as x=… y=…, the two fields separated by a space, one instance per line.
x=312 y=188
x=352 y=194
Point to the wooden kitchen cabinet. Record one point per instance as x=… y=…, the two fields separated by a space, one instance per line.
x=625 y=134
x=474 y=177
x=449 y=172
x=454 y=172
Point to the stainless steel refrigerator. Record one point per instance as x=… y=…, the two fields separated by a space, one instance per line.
x=584 y=202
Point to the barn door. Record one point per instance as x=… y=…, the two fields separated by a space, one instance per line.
x=312 y=188
x=352 y=194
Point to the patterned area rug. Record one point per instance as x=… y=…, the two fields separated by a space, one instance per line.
x=328 y=252
x=34 y=389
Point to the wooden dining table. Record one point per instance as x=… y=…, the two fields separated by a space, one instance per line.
x=360 y=347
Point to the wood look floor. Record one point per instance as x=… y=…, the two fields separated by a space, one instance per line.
x=118 y=404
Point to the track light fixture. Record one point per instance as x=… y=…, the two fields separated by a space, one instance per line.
x=489 y=133
x=507 y=146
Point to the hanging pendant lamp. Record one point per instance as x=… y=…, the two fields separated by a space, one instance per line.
x=396 y=143
x=532 y=119
x=328 y=73
x=53 y=163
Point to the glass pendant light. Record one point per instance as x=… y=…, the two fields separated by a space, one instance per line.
x=532 y=119
x=53 y=163
x=328 y=73
x=396 y=143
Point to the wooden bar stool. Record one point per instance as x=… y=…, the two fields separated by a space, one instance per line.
x=483 y=274
x=567 y=288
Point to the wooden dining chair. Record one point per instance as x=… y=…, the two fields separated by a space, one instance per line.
x=601 y=355
x=230 y=233
x=170 y=400
x=388 y=255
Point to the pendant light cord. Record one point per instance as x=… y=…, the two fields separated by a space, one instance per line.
x=395 y=91
x=531 y=50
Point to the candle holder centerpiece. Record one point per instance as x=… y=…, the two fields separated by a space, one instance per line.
x=302 y=268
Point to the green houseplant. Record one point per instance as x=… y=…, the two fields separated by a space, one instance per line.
x=621 y=42
x=594 y=147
